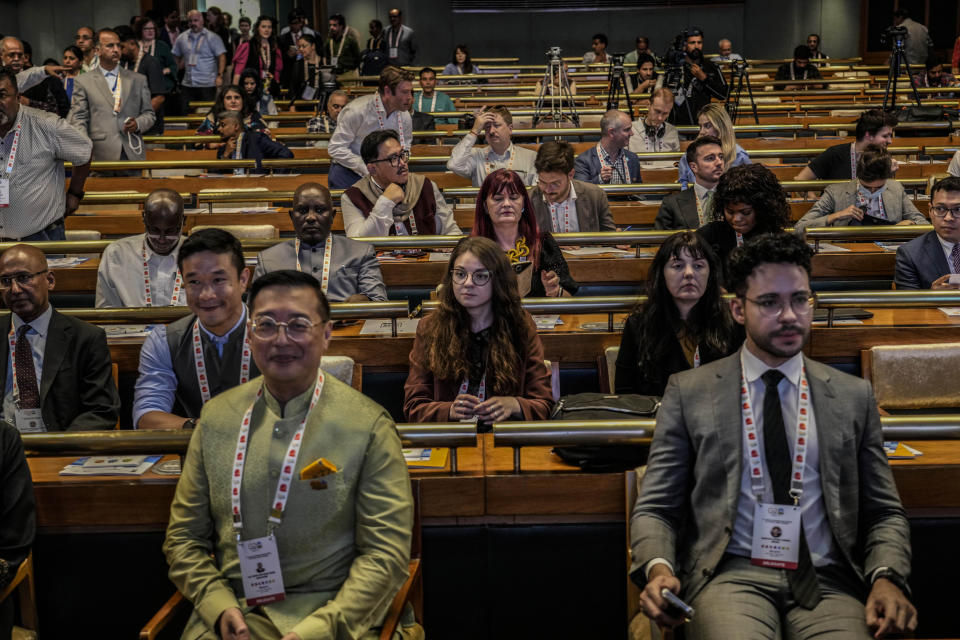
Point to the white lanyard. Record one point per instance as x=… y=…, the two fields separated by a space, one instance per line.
x=401 y=230
x=481 y=391
x=750 y=439
x=143 y=48
x=566 y=228
x=201 y=364
x=286 y=471
x=853 y=161
x=343 y=39
x=8 y=169
x=491 y=166
x=196 y=43
x=136 y=65
x=116 y=91
x=264 y=62
x=147 y=294
x=382 y=117
x=696 y=357
x=863 y=204
x=12 y=339
x=433 y=103
x=394 y=44
x=238 y=152
x=616 y=166
x=739 y=239
x=327 y=250
x=793 y=75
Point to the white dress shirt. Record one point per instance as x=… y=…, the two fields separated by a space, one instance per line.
x=120 y=275
x=37 y=337
x=380 y=221
x=947 y=251
x=476 y=163
x=563 y=215
x=358 y=119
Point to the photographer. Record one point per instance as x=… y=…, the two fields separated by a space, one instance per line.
x=693 y=79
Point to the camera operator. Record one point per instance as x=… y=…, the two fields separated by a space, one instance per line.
x=699 y=80
x=917 y=43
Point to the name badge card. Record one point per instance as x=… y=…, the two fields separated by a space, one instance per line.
x=192 y=60
x=393 y=52
x=333 y=60
x=30 y=421
x=260 y=569
x=308 y=93
x=776 y=535
x=4 y=192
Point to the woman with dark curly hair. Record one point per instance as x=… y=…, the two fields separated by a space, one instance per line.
x=684 y=322
x=478 y=356
x=748 y=202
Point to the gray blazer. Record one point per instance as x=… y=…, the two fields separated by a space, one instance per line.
x=920 y=262
x=836 y=197
x=678 y=211
x=593 y=210
x=353 y=267
x=686 y=511
x=92 y=113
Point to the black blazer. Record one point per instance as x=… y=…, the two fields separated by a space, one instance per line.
x=77 y=392
x=258 y=146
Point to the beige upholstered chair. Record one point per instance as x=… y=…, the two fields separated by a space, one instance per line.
x=343 y=369
x=244 y=231
x=914 y=376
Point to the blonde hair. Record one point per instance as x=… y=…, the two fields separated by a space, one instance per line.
x=718 y=117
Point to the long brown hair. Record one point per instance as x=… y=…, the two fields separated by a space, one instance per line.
x=446 y=354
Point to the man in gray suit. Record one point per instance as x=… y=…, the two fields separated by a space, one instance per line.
x=112 y=105
x=562 y=204
x=761 y=541
x=929 y=261
x=692 y=208
x=347 y=269
x=872 y=198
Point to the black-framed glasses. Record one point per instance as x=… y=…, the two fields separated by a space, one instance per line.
x=480 y=277
x=268 y=328
x=940 y=211
x=395 y=159
x=22 y=279
x=772 y=306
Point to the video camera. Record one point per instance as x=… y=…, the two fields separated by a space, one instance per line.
x=553 y=54
x=616 y=60
x=893 y=34
x=673 y=62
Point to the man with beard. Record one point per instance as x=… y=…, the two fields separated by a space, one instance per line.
x=757 y=538
x=799 y=69
x=691 y=208
x=392 y=201
x=347 y=269
x=33 y=203
x=701 y=81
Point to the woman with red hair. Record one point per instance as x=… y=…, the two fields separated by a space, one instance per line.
x=505 y=215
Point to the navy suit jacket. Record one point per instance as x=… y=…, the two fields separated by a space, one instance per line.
x=258 y=146
x=587 y=166
x=920 y=262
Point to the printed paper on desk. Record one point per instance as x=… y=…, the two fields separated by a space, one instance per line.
x=381 y=326
x=593 y=251
x=64 y=263
x=950 y=311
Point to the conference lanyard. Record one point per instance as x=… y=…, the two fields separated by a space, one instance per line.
x=264 y=64
x=699 y=202
x=335 y=58
x=481 y=390
x=147 y=294
x=382 y=117
x=12 y=339
x=433 y=103
x=136 y=66
x=8 y=169
x=201 y=364
x=853 y=161
x=739 y=239
x=394 y=44
x=863 y=204
x=616 y=166
x=286 y=471
x=116 y=91
x=143 y=48
x=327 y=250
x=696 y=357
x=752 y=445
x=316 y=75
x=492 y=166
x=566 y=228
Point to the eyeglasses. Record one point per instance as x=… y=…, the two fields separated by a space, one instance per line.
x=395 y=159
x=22 y=279
x=940 y=211
x=801 y=304
x=480 y=277
x=268 y=328
x=153 y=234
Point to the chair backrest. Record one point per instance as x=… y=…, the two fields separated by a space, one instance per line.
x=554 y=369
x=81 y=234
x=914 y=376
x=244 y=231
x=341 y=368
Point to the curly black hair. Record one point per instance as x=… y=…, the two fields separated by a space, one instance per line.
x=757 y=186
x=783 y=248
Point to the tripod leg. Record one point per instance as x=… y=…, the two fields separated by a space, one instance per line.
x=913 y=87
x=753 y=103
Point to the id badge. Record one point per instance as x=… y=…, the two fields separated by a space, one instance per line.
x=333 y=60
x=308 y=93
x=4 y=192
x=192 y=60
x=30 y=421
x=776 y=535
x=239 y=172
x=260 y=570
x=393 y=52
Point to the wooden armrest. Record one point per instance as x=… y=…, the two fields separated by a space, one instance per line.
x=162 y=617
x=23 y=571
x=408 y=589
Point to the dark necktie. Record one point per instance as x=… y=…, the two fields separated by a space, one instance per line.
x=803 y=579
x=955 y=257
x=26 y=373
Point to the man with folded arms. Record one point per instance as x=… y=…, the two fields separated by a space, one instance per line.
x=768 y=504
x=159 y=284
x=476 y=163
x=610 y=162
x=297 y=485
x=933 y=259
x=561 y=203
x=347 y=269
x=186 y=363
x=873 y=198
x=57 y=374
x=392 y=201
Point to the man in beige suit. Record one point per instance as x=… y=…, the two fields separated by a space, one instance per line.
x=297 y=484
x=112 y=105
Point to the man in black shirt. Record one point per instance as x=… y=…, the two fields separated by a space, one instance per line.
x=799 y=69
x=839 y=162
x=701 y=81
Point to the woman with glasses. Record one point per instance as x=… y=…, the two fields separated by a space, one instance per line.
x=683 y=323
x=478 y=355
x=748 y=202
x=714 y=121
x=146 y=32
x=231 y=98
x=504 y=214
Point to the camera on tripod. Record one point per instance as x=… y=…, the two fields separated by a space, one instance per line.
x=673 y=62
x=553 y=54
x=895 y=35
x=616 y=61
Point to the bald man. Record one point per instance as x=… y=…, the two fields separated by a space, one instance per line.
x=141 y=270
x=48 y=94
x=61 y=365
x=352 y=273
x=610 y=162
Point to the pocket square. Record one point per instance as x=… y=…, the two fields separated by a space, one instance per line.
x=317 y=469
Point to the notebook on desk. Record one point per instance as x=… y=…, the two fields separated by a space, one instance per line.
x=821 y=315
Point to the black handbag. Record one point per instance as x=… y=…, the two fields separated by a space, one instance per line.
x=603 y=406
